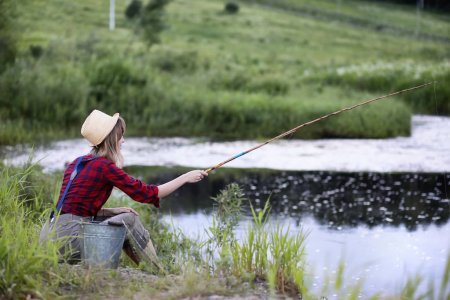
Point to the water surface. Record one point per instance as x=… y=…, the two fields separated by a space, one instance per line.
x=426 y=150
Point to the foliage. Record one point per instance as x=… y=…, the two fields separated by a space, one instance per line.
x=152 y=20
x=431 y=4
x=175 y=61
x=133 y=9
x=231 y=7
x=274 y=255
x=377 y=77
x=8 y=49
x=228 y=205
x=24 y=264
x=36 y=51
x=245 y=82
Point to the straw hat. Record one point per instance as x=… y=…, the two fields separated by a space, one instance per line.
x=97 y=126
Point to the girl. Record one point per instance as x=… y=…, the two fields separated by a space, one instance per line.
x=87 y=185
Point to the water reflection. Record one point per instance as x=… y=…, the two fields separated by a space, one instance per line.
x=336 y=200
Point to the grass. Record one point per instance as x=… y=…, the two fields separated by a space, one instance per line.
x=267 y=261
x=249 y=75
x=399 y=18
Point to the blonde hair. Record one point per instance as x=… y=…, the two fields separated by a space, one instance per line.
x=110 y=146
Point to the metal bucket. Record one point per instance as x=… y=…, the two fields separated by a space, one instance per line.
x=101 y=244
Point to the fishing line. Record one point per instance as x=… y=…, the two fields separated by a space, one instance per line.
x=291 y=131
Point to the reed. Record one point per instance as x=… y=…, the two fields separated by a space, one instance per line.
x=272 y=254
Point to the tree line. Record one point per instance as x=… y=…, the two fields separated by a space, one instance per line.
x=439 y=5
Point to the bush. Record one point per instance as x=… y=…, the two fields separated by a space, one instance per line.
x=8 y=36
x=44 y=96
x=133 y=10
x=247 y=82
x=110 y=78
x=169 y=60
x=8 y=52
x=271 y=85
x=36 y=51
x=152 y=22
x=385 y=77
x=237 y=81
x=231 y=8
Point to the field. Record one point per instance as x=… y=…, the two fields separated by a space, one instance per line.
x=253 y=74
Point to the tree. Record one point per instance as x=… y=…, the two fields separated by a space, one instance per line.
x=133 y=9
x=152 y=20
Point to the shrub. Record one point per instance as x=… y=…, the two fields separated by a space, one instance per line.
x=8 y=52
x=8 y=36
x=151 y=22
x=169 y=60
x=237 y=81
x=383 y=77
x=246 y=82
x=231 y=8
x=44 y=96
x=133 y=10
x=36 y=51
x=271 y=85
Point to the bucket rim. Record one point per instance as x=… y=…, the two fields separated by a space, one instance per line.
x=99 y=224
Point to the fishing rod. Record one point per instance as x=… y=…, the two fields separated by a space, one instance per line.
x=312 y=122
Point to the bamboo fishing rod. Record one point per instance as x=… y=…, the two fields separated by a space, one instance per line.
x=312 y=122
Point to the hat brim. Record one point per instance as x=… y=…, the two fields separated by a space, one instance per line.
x=107 y=127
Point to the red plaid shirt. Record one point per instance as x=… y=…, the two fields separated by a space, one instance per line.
x=93 y=185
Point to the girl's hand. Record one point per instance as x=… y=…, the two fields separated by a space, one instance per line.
x=120 y=210
x=194 y=176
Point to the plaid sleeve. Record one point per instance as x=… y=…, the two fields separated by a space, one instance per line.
x=136 y=189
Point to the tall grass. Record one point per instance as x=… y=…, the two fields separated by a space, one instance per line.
x=270 y=254
x=386 y=76
x=26 y=267
x=52 y=100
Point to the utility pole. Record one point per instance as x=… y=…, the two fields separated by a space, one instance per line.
x=112 y=17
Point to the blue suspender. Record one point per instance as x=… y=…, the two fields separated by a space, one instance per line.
x=76 y=170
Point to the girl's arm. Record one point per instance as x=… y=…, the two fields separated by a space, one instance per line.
x=189 y=177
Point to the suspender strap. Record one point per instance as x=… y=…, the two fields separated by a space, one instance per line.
x=78 y=167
